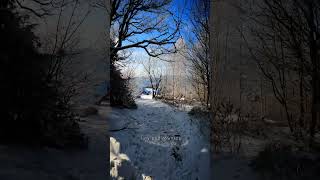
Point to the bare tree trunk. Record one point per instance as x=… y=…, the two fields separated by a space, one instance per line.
x=315 y=68
x=173 y=84
x=315 y=87
x=289 y=117
x=261 y=99
x=301 y=93
x=208 y=94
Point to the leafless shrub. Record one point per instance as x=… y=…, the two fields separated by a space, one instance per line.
x=227 y=128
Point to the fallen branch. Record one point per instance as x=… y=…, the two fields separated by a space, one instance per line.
x=115 y=130
x=123 y=128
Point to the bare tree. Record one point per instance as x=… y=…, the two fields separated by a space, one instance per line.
x=57 y=124
x=64 y=39
x=40 y=8
x=61 y=44
x=287 y=36
x=154 y=73
x=199 y=51
x=311 y=13
x=143 y=24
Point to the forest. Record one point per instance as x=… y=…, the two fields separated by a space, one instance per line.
x=179 y=89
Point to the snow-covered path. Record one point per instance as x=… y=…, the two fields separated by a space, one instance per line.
x=161 y=141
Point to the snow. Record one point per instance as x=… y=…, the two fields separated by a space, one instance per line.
x=230 y=167
x=160 y=142
x=145 y=96
x=19 y=162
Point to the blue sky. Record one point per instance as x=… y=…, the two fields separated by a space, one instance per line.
x=182 y=7
x=178 y=7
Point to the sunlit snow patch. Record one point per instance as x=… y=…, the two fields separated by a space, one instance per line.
x=204 y=150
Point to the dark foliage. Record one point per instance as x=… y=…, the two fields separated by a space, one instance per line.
x=199 y=111
x=120 y=93
x=33 y=110
x=281 y=161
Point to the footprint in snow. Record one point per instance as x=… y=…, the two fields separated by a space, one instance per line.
x=176 y=154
